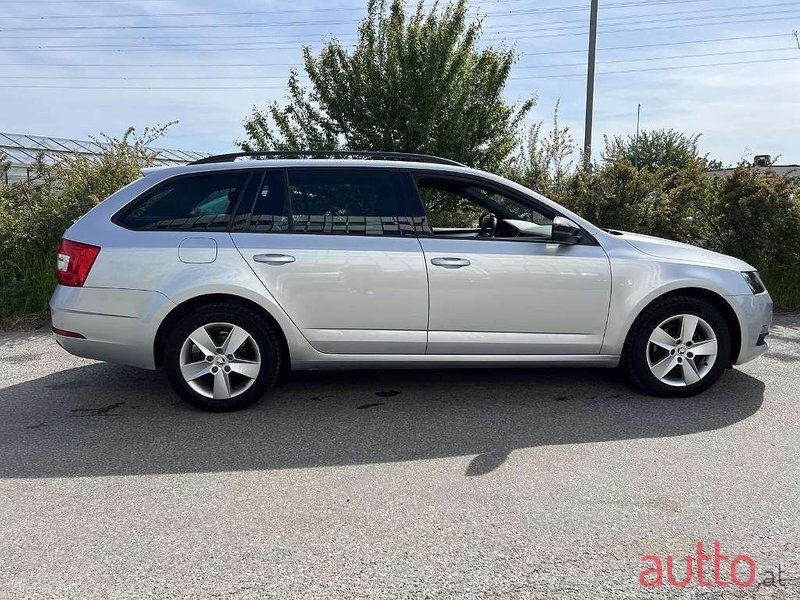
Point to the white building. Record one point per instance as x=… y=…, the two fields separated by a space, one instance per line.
x=764 y=162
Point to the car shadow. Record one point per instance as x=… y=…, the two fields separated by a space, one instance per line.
x=102 y=419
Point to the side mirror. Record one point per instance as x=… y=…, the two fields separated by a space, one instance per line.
x=566 y=232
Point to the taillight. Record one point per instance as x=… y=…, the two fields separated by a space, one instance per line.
x=74 y=262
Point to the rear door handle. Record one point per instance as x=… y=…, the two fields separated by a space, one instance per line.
x=274 y=259
x=450 y=262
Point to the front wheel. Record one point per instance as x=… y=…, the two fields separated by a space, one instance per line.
x=221 y=357
x=677 y=347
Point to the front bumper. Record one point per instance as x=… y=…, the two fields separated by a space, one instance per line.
x=117 y=325
x=754 y=312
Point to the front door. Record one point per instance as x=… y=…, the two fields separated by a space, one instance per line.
x=337 y=249
x=498 y=283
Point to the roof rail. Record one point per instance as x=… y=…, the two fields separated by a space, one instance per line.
x=219 y=158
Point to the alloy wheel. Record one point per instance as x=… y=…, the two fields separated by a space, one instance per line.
x=220 y=360
x=682 y=350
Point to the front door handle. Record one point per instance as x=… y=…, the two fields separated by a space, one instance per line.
x=274 y=259
x=450 y=262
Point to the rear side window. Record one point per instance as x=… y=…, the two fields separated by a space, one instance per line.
x=270 y=212
x=204 y=201
x=351 y=201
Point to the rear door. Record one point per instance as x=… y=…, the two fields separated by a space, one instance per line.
x=337 y=249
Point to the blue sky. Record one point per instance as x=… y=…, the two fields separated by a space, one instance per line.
x=75 y=68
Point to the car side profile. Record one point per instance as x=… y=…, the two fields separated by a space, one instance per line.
x=226 y=271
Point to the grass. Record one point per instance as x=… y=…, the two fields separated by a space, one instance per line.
x=26 y=283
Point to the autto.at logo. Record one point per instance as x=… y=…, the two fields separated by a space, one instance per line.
x=704 y=569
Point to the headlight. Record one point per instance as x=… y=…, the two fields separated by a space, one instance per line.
x=753 y=279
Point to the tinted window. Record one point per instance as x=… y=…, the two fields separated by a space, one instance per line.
x=270 y=211
x=449 y=208
x=366 y=201
x=203 y=201
x=455 y=207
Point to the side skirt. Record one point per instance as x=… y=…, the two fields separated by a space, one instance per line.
x=440 y=361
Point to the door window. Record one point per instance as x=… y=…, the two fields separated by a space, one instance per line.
x=353 y=201
x=459 y=209
x=203 y=201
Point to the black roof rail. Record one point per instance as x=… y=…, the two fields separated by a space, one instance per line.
x=424 y=158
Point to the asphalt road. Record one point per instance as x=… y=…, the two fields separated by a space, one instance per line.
x=406 y=484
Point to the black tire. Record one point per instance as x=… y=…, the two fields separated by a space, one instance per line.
x=255 y=325
x=634 y=355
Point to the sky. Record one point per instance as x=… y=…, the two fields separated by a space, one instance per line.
x=727 y=69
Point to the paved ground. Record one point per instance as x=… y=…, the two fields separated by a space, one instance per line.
x=463 y=484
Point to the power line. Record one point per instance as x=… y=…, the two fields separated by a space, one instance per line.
x=149 y=65
x=570 y=8
x=179 y=26
x=718 y=64
x=185 y=14
x=545 y=66
x=145 y=77
x=631 y=19
x=584 y=8
x=274 y=44
x=214 y=46
x=688 y=42
x=127 y=49
x=511 y=12
x=640 y=21
x=282 y=87
x=698 y=21
x=549 y=26
x=264 y=64
x=636 y=29
x=651 y=58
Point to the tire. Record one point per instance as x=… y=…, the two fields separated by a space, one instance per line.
x=244 y=360
x=673 y=369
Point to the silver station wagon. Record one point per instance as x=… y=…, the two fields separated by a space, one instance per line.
x=226 y=271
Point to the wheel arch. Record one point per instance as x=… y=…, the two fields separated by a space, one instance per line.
x=711 y=298
x=195 y=302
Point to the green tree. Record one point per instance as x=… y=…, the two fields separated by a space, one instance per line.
x=656 y=149
x=413 y=83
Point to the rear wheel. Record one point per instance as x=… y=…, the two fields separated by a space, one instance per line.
x=677 y=347
x=222 y=357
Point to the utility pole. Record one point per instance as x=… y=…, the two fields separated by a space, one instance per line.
x=587 y=136
x=636 y=152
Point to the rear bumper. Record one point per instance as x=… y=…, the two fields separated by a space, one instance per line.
x=754 y=312
x=117 y=326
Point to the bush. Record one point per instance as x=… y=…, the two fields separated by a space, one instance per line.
x=755 y=215
x=34 y=213
x=543 y=160
x=666 y=203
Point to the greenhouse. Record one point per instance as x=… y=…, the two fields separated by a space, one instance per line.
x=21 y=151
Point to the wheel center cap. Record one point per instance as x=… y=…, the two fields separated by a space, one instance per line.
x=681 y=349
x=220 y=360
